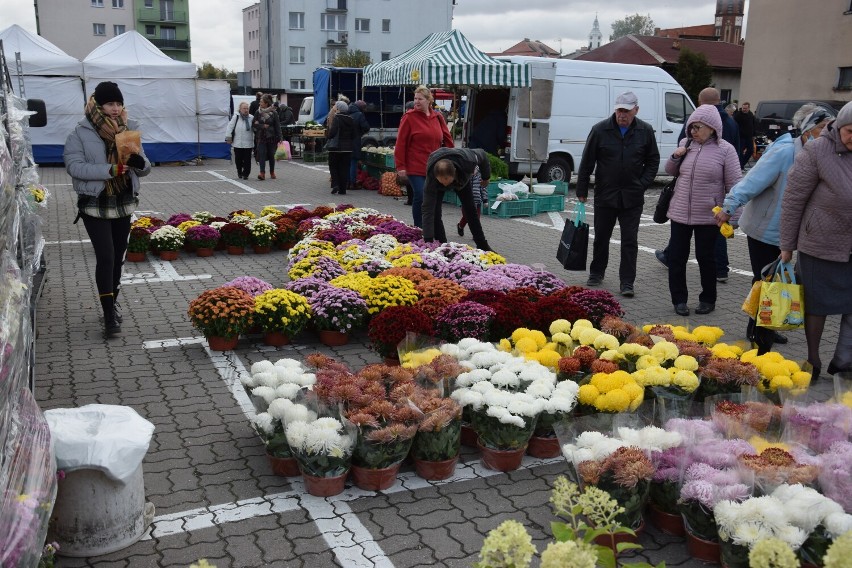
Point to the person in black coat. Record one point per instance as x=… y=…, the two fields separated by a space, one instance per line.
x=356 y=111
x=745 y=122
x=342 y=137
x=451 y=169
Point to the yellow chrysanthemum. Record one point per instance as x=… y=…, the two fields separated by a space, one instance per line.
x=414 y=359
x=651 y=376
x=184 y=227
x=772 y=369
x=634 y=391
x=665 y=351
x=846 y=399
x=792 y=366
x=519 y=333
x=708 y=335
x=749 y=356
x=633 y=350
x=760 y=443
x=588 y=335
x=550 y=346
x=582 y=323
x=505 y=345
x=605 y=341
x=559 y=326
x=646 y=361
x=780 y=382
x=686 y=363
x=611 y=355
x=549 y=358
x=723 y=351
x=682 y=334
x=587 y=394
x=801 y=379
x=686 y=380
x=539 y=337
x=526 y=345
x=562 y=339
x=614 y=401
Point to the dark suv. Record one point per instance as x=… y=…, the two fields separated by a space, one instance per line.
x=774 y=118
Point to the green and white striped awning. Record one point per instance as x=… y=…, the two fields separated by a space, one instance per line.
x=446 y=58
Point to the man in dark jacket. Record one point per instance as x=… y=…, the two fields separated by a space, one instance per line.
x=356 y=111
x=745 y=122
x=623 y=153
x=255 y=104
x=451 y=169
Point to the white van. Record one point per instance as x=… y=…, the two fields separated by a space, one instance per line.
x=548 y=123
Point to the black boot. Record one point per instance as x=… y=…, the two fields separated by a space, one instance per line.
x=117 y=307
x=111 y=325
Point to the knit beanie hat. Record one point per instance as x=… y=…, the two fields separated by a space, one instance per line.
x=844 y=117
x=108 y=92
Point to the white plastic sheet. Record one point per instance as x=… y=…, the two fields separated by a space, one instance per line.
x=110 y=438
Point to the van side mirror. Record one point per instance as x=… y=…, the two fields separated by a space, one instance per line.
x=38 y=119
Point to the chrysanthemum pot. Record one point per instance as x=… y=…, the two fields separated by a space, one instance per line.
x=469 y=437
x=135 y=256
x=733 y=555
x=435 y=470
x=333 y=338
x=219 y=343
x=168 y=255
x=666 y=522
x=204 y=252
x=284 y=467
x=276 y=338
x=235 y=250
x=376 y=479
x=544 y=447
x=700 y=549
x=391 y=361
x=501 y=460
x=261 y=249
x=324 y=486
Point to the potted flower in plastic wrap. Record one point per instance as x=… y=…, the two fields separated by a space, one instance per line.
x=281 y=314
x=323 y=448
x=203 y=238
x=389 y=327
x=138 y=244
x=222 y=314
x=167 y=241
x=336 y=312
x=435 y=449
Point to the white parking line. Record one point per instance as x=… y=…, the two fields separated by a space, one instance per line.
x=248 y=189
x=163 y=272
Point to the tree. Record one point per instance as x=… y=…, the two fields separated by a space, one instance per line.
x=693 y=72
x=350 y=58
x=208 y=71
x=635 y=25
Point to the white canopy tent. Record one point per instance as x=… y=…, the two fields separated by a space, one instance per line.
x=52 y=75
x=180 y=117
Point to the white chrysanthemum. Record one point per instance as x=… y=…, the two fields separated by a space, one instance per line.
x=467 y=397
x=450 y=349
x=247 y=381
x=837 y=524
x=497 y=397
x=506 y=417
x=560 y=403
x=606 y=447
x=288 y=362
x=792 y=535
x=541 y=388
x=327 y=423
x=568 y=386
x=279 y=407
x=323 y=440
x=589 y=438
x=505 y=379
x=263 y=422
x=486 y=359
x=266 y=379
x=297 y=434
x=288 y=390
x=265 y=393
x=726 y=513
x=524 y=408
x=535 y=371
x=483 y=387
x=746 y=534
x=577 y=455
x=297 y=413
x=261 y=367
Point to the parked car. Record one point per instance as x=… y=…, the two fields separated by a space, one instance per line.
x=774 y=118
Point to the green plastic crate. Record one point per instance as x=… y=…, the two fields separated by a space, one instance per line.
x=517 y=208
x=561 y=187
x=388 y=160
x=545 y=203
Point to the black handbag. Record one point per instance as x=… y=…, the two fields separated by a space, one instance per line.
x=661 y=212
x=574 y=243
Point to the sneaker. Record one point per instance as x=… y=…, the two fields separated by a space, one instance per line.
x=460 y=229
x=111 y=328
x=120 y=320
x=261 y=176
x=722 y=279
x=627 y=290
x=661 y=256
x=594 y=280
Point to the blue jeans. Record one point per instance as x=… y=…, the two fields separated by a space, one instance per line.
x=417 y=183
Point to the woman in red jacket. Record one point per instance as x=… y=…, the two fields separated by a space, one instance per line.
x=421 y=132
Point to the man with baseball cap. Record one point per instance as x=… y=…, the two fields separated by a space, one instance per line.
x=623 y=153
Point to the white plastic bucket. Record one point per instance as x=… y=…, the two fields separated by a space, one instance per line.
x=96 y=515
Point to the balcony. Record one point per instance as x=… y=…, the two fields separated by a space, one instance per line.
x=162 y=16
x=176 y=44
x=336 y=6
x=338 y=38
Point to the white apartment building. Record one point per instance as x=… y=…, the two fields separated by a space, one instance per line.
x=79 y=26
x=297 y=36
x=251 y=43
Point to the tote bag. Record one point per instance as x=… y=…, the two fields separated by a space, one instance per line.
x=574 y=243
x=782 y=301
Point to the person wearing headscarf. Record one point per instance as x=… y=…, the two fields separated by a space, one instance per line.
x=342 y=138
x=760 y=193
x=815 y=221
x=241 y=137
x=107 y=190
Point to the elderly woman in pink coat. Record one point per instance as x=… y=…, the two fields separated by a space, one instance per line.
x=707 y=168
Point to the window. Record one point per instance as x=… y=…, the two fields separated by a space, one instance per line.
x=385 y=55
x=297 y=54
x=118 y=3
x=150 y=30
x=362 y=25
x=167 y=32
x=677 y=109
x=726 y=95
x=329 y=54
x=844 y=81
x=297 y=20
x=333 y=22
x=118 y=29
x=149 y=3
x=297 y=84
x=99 y=29
x=385 y=25
x=97 y=3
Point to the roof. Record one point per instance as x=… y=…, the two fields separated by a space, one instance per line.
x=446 y=58
x=531 y=47
x=705 y=30
x=131 y=56
x=38 y=56
x=652 y=50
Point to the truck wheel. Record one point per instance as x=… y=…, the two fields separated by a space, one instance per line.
x=369 y=142
x=389 y=141
x=556 y=169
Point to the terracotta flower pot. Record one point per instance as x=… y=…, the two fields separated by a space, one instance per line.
x=435 y=470
x=374 y=479
x=501 y=460
x=333 y=338
x=220 y=245
x=666 y=522
x=135 y=256
x=219 y=343
x=701 y=549
x=285 y=467
x=544 y=447
x=286 y=246
x=235 y=250
x=391 y=361
x=275 y=338
x=168 y=255
x=204 y=252
x=324 y=486
x=469 y=437
x=261 y=249
x=612 y=542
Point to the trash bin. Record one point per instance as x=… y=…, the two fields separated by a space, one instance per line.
x=100 y=504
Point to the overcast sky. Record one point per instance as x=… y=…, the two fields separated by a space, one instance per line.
x=492 y=25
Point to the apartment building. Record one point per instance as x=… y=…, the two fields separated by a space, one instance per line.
x=251 y=44
x=79 y=26
x=297 y=36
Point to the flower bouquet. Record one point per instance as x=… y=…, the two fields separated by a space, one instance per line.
x=387 y=329
x=167 y=239
x=626 y=475
x=224 y=312
x=203 y=238
x=282 y=312
x=834 y=478
x=778 y=376
x=774 y=466
x=235 y=235
x=610 y=392
x=464 y=319
x=439 y=433
x=338 y=309
x=138 y=244
x=263 y=232
x=703 y=487
x=725 y=376
x=817 y=426
x=323 y=448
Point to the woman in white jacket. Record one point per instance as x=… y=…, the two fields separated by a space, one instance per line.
x=241 y=137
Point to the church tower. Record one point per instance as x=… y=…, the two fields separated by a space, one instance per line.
x=729 y=20
x=595 y=35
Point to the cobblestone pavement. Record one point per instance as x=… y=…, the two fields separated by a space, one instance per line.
x=205 y=471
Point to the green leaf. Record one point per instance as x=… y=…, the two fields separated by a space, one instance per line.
x=561 y=531
x=592 y=534
x=606 y=557
x=622 y=546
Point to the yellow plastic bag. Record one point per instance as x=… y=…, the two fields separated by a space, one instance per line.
x=782 y=301
x=752 y=301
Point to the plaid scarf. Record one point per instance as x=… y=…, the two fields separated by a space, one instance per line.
x=107 y=127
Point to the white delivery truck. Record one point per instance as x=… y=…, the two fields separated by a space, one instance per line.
x=547 y=124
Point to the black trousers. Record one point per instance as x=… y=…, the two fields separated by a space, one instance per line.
x=678 y=255
x=266 y=153
x=628 y=222
x=433 y=200
x=338 y=167
x=109 y=239
x=242 y=159
x=746 y=150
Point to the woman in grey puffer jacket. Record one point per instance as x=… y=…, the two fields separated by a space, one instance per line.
x=708 y=167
